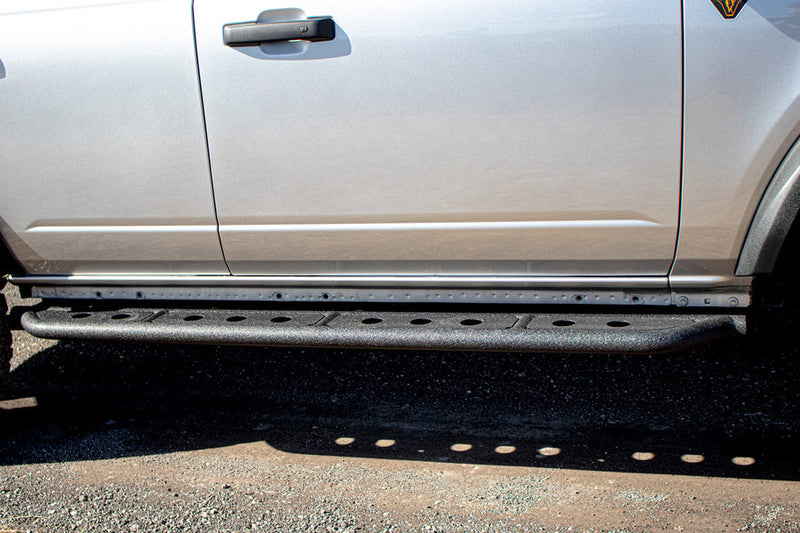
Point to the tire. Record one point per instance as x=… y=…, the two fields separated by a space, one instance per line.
x=776 y=299
x=5 y=339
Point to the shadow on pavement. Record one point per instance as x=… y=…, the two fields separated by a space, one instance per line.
x=729 y=410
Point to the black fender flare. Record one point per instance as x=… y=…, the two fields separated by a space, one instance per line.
x=774 y=218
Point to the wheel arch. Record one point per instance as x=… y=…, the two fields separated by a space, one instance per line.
x=8 y=262
x=774 y=219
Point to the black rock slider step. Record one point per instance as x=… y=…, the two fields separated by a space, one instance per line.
x=498 y=331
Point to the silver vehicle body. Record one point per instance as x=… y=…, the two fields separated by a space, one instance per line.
x=612 y=151
x=105 y=168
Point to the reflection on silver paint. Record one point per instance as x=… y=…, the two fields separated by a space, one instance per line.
x=441 y=247
x=783 y=14
x=102 y=122
x=27 y=7
x=475 y=281
x=433 y=226
x=394 y=226
x=481 y=117
x=708 y=282
x=121 y=229
x=742 y=116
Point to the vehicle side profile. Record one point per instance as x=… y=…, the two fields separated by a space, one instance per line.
x=594 y=175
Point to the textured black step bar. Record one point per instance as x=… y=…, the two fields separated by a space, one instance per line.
x=515 y=332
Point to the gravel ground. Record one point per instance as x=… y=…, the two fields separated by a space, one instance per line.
x=139 y=437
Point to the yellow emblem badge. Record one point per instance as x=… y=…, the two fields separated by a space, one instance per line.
x=729 y=8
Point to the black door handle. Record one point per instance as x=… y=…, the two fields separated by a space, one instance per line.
x=255 y=33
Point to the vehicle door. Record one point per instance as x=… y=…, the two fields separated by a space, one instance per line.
x=103 y=155
x=432 y=137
